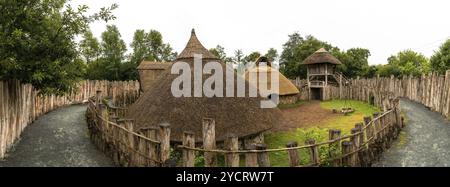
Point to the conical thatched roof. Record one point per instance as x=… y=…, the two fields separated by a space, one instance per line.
x=285 y=86
x=321 y=56
x=241 y=116
x=195 y=47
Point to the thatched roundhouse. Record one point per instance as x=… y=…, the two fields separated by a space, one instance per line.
x=241 y=116
x=149 y=71
x=288 y=92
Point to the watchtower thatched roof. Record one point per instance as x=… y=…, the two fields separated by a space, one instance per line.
x=241 y=116
x=285 y=85
x=321 y=56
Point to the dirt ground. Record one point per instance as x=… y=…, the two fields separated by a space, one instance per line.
x=306 y=115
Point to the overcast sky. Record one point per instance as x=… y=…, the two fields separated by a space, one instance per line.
x=384 y=27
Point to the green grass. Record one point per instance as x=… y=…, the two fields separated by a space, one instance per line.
x=320 y=132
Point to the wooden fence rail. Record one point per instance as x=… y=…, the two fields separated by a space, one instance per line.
x=151 y=147
x=362 y=146
x=21 y=104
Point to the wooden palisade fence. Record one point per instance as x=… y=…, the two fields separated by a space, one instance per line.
x=21 y=104
x=151 y=147
x=432 y=90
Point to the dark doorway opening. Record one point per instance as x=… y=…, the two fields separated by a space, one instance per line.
x=316 y=93
x=372 y=100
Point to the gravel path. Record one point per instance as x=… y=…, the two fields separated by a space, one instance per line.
x=424 y=142
x=58 y=139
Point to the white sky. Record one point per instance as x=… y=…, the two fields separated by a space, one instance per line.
x=384 y=27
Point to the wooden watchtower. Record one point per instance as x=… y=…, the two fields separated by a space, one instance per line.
x=322 y=74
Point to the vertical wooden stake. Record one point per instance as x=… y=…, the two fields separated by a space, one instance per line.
x=294 y=160
x=346 y=149
x=232 y=144
x=164 y=139
x=263 y=157
x=334 y=148
x=188 y=155
x=209 y=141
x=314 y=152
x=251 y=158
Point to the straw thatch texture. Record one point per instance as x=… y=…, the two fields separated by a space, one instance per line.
x=285 y=85
x=321 y=56
x=241 y=116
x=149 y=72
x=194 y=47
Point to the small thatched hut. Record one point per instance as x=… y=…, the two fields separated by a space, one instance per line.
x=149 y=71
x=288 y=92
x=241 y=116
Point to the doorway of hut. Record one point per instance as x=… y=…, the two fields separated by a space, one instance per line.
x=316 y=93
x=372 y=100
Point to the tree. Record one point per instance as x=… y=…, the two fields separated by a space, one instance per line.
x=113 y=50
x=37 y=42
x=272 y=54
x=238 y=57
x=139 y=46
x=440 y=61
x=354 y=62
x=89 y=47
x=410 y=63
x=219 y=51
x=296 y=50
x=158 y=50
x=252 y=57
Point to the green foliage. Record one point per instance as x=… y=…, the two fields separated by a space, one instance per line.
x=37 y=42
x=407 y=62
x=354 y=62
x=440 y=61
x=297 y=49
x=252 y=57
x=219 y=51
x=319 y=132
x=272 y=54
x=89 y=47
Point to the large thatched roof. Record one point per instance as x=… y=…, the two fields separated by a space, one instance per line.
x=285 y=86
x=150 y=65
x=321 y=56
x=150 y=71
x=241 y=116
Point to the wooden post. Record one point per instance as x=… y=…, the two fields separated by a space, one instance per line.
x=376 y=126
x=355 y=141
x=369 y=138
x=98 y=97
x=294 y=160
x=209 y=142
x=346 y=149
x=164 y=139
x=334 y=148
x=360 y=126
x=188 y=155
x=314 y=152
x=129 y=125
x=251 y=158
x=151 y=133
x=232 y=144
x=369 y=128
x=263 y=157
